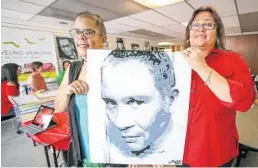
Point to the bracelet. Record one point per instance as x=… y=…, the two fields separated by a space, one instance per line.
x=208 y=80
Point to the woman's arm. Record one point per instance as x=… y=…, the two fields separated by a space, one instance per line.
x=65 y=91
x=235 y=92
x=63 y=96
x=217 y=83
x=12 y=91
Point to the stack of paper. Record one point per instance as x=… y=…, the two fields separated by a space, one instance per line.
x=27 y=106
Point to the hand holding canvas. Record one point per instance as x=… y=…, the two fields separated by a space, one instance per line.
x=195 y=57
x=77 y=87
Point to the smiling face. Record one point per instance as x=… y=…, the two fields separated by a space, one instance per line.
x=82 y=43
x=202 y=38
x=135 y=107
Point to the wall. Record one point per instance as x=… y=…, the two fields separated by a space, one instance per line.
x=247 y=46
x=63 y=32
x=111 y=39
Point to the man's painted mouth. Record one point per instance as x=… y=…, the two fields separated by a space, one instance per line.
x=131 y=138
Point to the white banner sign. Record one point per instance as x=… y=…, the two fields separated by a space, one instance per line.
x=22 y=47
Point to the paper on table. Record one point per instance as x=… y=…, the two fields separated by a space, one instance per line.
x=47 y=94
x=27 y=99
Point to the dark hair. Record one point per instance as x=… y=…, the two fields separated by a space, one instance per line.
x=9 y=73
x=220 y=42
x=99 y=21
x=66 y=61
x=159 y=64
x=36 y=65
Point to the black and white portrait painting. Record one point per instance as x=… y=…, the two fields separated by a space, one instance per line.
x=137 y=106
x=120 y=43
x=135 y=47
x=66 y=48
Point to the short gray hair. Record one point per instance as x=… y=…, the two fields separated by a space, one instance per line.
x=99 y=21
x=159 y=64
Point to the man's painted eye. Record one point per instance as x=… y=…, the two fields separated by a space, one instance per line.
x=109 y=101
x=133 y=101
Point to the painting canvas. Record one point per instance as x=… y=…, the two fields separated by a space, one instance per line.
x=137 y=106
x=66 y=48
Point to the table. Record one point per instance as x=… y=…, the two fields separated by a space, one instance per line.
x=56 y=137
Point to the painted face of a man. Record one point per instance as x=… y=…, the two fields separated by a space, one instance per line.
x=135 y=107
x=66 y=47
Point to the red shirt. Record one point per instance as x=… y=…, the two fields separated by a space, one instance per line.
x=212 y=137
x=7 y=90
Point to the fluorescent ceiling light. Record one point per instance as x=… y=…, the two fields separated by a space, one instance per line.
x=254 y=32
x=157 y=3
x=165 y=43
x=184 y=24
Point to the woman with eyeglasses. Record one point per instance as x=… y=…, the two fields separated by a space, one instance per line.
x=9 y=87
x=89 y=33
x=221 y=85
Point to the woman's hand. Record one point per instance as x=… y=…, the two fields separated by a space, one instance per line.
x=77 y=87
x=195 y=57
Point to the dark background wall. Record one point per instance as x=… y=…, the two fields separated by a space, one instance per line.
x=247 y=46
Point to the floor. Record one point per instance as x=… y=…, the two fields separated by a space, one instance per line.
x=18 y=151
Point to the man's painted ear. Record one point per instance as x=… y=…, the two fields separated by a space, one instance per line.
x=173 y=95
x=171 y=98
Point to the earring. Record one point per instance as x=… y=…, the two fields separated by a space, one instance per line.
x=217 y=43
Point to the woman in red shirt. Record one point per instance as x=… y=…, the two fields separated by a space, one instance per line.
x=36 y=80
x=9 y=86
x=221 y=85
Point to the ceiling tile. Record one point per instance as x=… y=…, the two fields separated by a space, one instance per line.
x=173 y=11
x=75 y=6
x=232 y=30
x=176 y=28
x=52 y=21
x=248 y=19
x=132 y=22
x=251 y=28
x=113 y=31
x=158 y=29
x=247 y=6
x=153 y=18
x=230 y=21
x=12 y=22
x=223 y=7
x=164 y=31
x=150 y=33
x=125 y=7
x=20 y=6
x=40 y=2
x=133 y=35
x=15 y=14
x=117 y=26
x=56 y=13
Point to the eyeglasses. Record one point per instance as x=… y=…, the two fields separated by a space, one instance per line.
x=206 y=26
x=88 y=33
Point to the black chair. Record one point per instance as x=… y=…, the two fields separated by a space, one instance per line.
x=243 y=150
